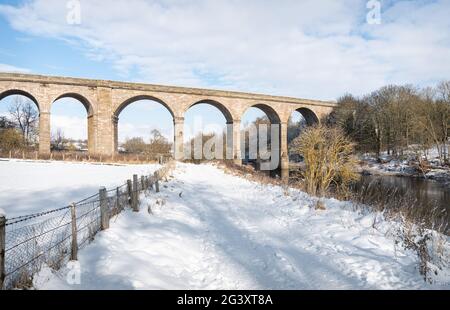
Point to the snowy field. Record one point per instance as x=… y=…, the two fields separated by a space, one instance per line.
x=210 y=230
x=28 y=186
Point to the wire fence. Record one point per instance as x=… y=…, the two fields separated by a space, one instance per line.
x=79 y=156
x=53 y=237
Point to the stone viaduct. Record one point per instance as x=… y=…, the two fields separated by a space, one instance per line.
x=104 y=100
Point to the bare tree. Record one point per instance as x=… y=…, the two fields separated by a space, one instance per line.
x=359 y=121
x=58 y=140
x=443 y=100
x=135 y=145
x=158 y=144
x=25 y=115
x=434 y=119
x=5 y=123
x=396 y=119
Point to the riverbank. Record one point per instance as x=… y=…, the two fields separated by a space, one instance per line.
x=402 y=168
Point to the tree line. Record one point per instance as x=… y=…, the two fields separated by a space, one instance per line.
x=157 y=145
x=395 y=119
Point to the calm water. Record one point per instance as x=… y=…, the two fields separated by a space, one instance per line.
x=425 y=191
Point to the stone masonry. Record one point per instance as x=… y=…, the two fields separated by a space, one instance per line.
x=104 y=100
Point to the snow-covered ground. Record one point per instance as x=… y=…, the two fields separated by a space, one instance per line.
x=211 y=230
x=30 y=186
x=395 y=166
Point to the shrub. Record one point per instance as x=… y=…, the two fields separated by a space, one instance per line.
x=11 y=139
x=328 y=159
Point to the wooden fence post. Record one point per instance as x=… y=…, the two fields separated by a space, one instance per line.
x=10 y=154
x=150 y=182
x=74 y=249
x=157 y=181
x=118 y=206
x=104 y=214
x=143 y=183
x=130 y=192
x=135 y=195
x=2 y=249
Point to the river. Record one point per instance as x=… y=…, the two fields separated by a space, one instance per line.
x=426 y=192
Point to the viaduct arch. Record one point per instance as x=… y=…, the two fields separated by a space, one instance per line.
x=104 y=100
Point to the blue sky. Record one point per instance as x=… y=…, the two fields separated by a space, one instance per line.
x=56 y=57
x=309 y=49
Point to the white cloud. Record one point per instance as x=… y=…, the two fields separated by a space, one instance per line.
x=130 y=130
x=72 y=127
x=316 y=49
x=9 y=68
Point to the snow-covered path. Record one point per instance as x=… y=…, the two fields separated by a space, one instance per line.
x=210 y=230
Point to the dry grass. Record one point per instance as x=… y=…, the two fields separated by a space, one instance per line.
x=423 y=227
x=403 y=206
x=248 y=172
x=85 y=157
